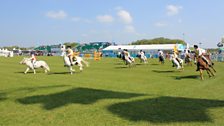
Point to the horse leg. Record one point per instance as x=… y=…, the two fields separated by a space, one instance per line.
x=201 y=74
x=45 y=70
x=34 y=71
x=80 y=66
x=211 y=72
x=208 y=73
x=71 y=70
x=27 y=69
x=133 y=63
x=85 y=62
x=213 y=69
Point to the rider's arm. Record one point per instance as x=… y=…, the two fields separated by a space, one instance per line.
x=69 y=53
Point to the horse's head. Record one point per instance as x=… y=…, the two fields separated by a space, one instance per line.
x=24 y=60
x=63 y=53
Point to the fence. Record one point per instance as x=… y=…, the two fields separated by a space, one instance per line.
x=218 y=57
x=97 y=55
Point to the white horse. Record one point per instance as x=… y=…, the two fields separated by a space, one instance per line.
x=78 y=62
x=37 y=64
x=142 y=58
x=129 y=60
x=179 y=65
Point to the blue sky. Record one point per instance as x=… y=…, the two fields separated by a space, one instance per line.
x=42 y=22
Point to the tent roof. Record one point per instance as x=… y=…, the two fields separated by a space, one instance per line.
x=144 y=47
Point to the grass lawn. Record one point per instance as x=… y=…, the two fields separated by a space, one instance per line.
x=109 y=94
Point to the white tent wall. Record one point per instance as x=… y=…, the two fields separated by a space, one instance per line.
x=149 y=49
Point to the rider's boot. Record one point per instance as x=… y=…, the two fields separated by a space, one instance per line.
x=33 y=63
x=197 y=67
x=70 y=61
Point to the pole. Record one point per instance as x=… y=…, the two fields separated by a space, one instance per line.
x=183 y=37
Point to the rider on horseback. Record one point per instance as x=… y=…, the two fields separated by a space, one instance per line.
x=161 y=57
x=199 y=52
x=70 y=54
x=175 y=54
x=127 y=54
x=142 y=54
x=179 y=61
x=160 y=52
x=119 y=55
x=33 y=58
x=187 y=53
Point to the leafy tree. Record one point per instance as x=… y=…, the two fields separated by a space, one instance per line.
x=160 y=40
x=72 y=44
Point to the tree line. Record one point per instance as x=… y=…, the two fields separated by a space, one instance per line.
x=160 y=40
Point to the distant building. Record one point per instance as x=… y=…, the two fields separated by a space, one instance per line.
x=92 y=47
x=150 y=50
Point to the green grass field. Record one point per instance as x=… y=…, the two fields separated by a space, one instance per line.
x=109 y=94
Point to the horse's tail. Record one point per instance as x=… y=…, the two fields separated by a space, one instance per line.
x=46 y=67
x=85 y=62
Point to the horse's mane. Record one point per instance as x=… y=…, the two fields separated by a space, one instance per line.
x=26 y=58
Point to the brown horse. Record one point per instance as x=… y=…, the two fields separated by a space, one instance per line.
x=211 y=64
x=204 y=66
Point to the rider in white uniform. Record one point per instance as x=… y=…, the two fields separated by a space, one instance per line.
x=176 y=59
x=160 y=53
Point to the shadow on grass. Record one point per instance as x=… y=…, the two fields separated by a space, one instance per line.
x=119 y=63
x=164 y=71
x=166 y=109
x=186 y=77
x=32 y=89
x=26 y=90
x=122 y=67
x=63 y=73
x=76 y=95
x=2 y=96
x=155 y=64
x=29 y=72
x=139 y=64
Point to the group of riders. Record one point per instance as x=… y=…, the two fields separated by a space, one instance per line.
x=70 y=58
x=201 y=58
x=69 y=53
x=125 y=55
x=199 y=53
